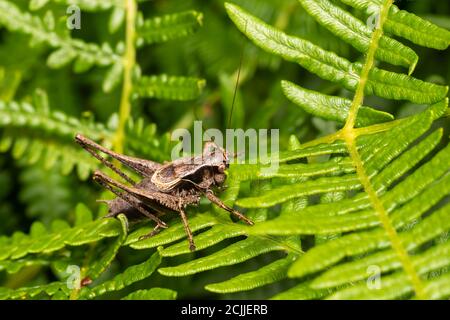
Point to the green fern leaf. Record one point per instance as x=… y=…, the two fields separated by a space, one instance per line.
x=169 y=87
x=58 y=239
x=329 y=107
x=196 y=223
x=129 y=276
x=407 y=25
x=68 y=49
x=332 y=67
x=50 y=290
x=233 y=254
x=152 y=294
x=35 y=133
x=169 y=27
x=302 y=292
x=40 y=134
x=102 y=258
x=267 y=274
x=358 y=34
x=89 y=5
x=406 y=202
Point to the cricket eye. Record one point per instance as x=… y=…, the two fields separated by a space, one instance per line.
x=219 y=178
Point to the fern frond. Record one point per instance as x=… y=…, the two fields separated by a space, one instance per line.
x=34 y=133
x=169 y=27
x=89 y=5
x=169 y=87
x=330 y=107
x=213 y=230
x=152 y=294
x=391 y=173
x=131 y=275
x=372 y=196
x=358 y=34
x=330 y=66
x=60 y=237
x=67 y=49
x=37 y=249
x=15 y=266
x=101 y=258
x=406 y=25
x=302 y=292
x=268 y=274
x=49 y=290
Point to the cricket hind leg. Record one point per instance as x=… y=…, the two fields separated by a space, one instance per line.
x=144 y=167
x=90 y=146
x=210 y=195
x=187 y=229
x=106 y=182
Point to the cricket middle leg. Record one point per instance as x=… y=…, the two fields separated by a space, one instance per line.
x=211 y=196
x=187 y=229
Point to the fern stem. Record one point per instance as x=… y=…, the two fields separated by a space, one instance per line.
x=348 y=133
x=364 y=131
x=129 y=61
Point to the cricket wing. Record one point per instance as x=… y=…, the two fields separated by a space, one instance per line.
x=169 y=175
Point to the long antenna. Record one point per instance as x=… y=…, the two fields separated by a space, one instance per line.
x=237 y=80
x=198 y=119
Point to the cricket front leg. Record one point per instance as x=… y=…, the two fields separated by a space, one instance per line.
x=109 y=184
x=187 y=229
x=211 y=196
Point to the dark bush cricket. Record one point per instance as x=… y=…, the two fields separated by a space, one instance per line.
x=164 y=188
x=169 y=187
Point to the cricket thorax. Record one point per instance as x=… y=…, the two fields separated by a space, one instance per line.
x=203 y=171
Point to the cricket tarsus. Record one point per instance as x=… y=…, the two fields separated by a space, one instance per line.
x=212 y=197
x=153 y=233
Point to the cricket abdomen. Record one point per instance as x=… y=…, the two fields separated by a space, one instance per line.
x=118 y=206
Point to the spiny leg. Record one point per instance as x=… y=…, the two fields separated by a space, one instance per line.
x=89 y=145
x=187 y=229
x=143 y=166
x=162 y=199
x=153 y=233
x=210 y=195
x=105 y=181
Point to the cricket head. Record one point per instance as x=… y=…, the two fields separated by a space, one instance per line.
x=217 y=158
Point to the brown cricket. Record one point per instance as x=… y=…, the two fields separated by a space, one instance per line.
x=164 y=188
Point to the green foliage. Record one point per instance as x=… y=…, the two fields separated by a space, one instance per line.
x=358 y=34
x=407 y=25
x=35 y=133
x=354 y=207
x=47 y=30
x=169 y=27
x=331 y=107
x=332 y=67
x=165 y=87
